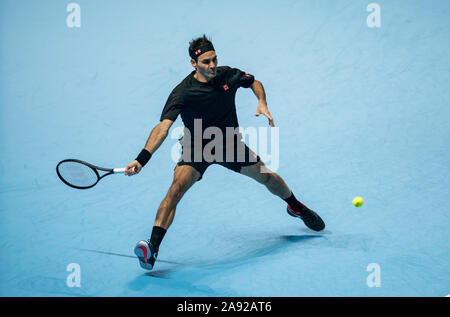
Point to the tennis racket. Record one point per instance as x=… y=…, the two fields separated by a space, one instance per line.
x=82 y=175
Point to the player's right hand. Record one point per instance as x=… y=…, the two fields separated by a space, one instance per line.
x=133 y=168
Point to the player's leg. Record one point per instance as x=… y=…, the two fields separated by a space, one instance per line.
x=276 y=185
x=184 y=177
x=248 y=163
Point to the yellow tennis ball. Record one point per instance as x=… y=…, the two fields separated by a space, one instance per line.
x=358 y=201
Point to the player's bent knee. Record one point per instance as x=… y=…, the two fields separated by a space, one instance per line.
x=274 y=179
x=269 y=178
x=254 y=171
x=175 y=192
x=264 y=174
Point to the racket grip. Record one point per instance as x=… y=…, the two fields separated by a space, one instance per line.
x=119 y=170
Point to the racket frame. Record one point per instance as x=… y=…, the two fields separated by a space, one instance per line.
x=93 y=167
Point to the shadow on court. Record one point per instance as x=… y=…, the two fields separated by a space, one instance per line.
x=258 y=250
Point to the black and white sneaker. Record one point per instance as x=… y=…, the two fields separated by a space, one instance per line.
x=146 y=254
x=309 y=217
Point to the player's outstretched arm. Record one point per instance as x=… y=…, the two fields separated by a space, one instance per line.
x=155 y=139
x=262 y=108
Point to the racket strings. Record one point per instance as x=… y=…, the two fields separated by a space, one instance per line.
x=77 y=174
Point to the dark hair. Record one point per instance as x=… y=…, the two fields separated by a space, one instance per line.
x=199 y=42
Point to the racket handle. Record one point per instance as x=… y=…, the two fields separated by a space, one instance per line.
x=119 y=170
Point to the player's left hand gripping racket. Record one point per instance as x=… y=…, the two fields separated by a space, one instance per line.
x=81 y=175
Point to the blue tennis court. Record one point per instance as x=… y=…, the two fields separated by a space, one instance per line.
x=359 y=93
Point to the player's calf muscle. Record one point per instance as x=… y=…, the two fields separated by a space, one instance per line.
x=277 y=186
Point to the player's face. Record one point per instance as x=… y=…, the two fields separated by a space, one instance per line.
x=207 y=65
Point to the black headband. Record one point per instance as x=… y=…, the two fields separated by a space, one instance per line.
x=199 y=51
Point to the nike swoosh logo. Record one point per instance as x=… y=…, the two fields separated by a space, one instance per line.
x=295 y=212
x=144 y=250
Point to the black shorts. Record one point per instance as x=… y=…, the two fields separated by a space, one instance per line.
x=240 y=156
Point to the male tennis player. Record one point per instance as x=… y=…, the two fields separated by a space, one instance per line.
x=207 y=97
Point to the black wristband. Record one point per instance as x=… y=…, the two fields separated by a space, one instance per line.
x=144 y=157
